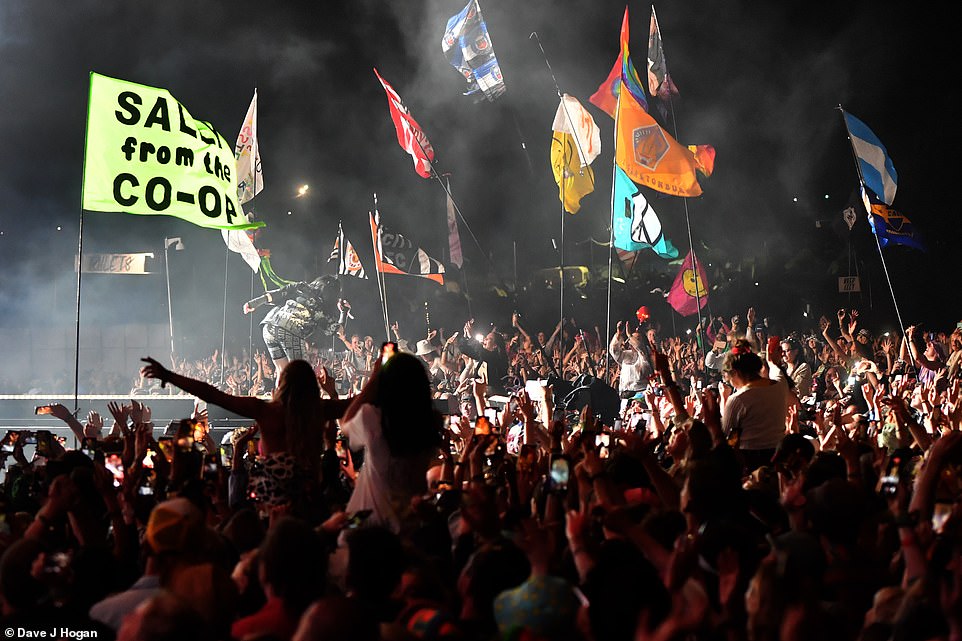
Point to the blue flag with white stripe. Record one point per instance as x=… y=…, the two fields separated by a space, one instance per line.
x=877 y=169
x=636 y=225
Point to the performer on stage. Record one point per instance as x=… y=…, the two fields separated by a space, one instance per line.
x=300 y=309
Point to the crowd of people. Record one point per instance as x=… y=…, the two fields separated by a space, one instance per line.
x=750 y=483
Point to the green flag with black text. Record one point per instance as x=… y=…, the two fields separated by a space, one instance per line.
x=145 y=154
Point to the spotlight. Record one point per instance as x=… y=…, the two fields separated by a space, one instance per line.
x=302 y=190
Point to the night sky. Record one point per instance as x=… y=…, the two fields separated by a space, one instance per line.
x=758 y=81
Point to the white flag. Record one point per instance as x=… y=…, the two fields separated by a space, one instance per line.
x=238 y=241
x=250 y=178
x=572 y=118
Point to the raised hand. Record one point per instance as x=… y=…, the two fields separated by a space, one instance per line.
x=153 y=369
x=327 y=383
x=94 y=425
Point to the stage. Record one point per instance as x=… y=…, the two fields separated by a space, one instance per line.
x=17 y=411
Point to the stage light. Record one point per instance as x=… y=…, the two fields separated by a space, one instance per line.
x=59 y=228
x=756 y=283
x=302 y=190
x=795 y=199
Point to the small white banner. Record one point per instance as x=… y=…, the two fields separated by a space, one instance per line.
x=849 y=284
x=114 y=263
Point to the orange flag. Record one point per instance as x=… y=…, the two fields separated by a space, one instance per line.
x=649 y=155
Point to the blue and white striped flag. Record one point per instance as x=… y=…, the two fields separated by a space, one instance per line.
x=878 y=172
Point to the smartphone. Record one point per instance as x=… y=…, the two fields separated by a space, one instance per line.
x=388 y=350
x=491 y=414
x=145 y=490
x=720 y=344
x=357 y=518
x=559 y=474
x=454 y=423
x=889 y=483
x=29 y=438
x=43 y=409
x=210 y=466
x=699 y=384
x=115 y=466
x=482 y=425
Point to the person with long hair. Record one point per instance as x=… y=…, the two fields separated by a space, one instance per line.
x=393 y=419
x=291 y=423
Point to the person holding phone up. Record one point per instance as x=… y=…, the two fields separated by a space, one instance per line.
x=393 y=419
x=629 y=353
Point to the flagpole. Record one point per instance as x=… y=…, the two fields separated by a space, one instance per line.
x=611 y=236
x=464 y=275
x=382 y=282
x=76 y=358
x=437 y=175
x=691 y=243
x=223 y=332
x=861 y=180
x=564 y=168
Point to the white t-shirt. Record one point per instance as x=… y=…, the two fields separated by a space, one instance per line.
x=759 y=412
x=371 y=488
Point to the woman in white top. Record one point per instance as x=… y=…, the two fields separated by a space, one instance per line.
x=754 y=415
x=393 y=419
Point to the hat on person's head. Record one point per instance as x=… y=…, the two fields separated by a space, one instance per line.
x=545 y=606
x=864 y=332
x=424 y=348
x=793 y=444
x=173 y=525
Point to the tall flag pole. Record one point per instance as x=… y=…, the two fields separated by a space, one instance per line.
x=875 y=172
x=664 y=87
x=587 y=140
x=250 y=182
x=378 y=251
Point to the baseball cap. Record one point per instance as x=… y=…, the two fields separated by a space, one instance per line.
x=174 y=524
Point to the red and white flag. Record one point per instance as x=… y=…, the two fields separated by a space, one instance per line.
x=409 y=134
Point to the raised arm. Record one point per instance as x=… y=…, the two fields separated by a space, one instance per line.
x=824 y=324
x=268 y=298
x=248 y=406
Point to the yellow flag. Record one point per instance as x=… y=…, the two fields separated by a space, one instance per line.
x=650 y=156
x=574 y=181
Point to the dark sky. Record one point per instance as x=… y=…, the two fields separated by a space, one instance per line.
x=758 y=81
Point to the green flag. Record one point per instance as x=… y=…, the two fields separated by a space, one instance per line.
x=146 y=155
